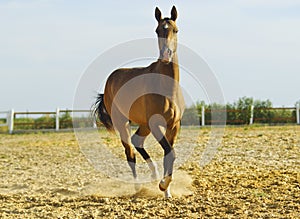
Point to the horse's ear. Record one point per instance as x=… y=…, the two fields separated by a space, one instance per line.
x=157 y=14
x=174 y=13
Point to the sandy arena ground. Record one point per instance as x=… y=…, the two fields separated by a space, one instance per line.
x=254 y=174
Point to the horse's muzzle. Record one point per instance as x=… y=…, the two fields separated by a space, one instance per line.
x=166 y=55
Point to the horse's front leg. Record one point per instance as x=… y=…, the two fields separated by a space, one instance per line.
x=167 y=141
x=168 y=162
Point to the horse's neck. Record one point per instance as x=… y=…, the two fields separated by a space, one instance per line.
x=170 y=87
x=171 y=69
x=175 y=67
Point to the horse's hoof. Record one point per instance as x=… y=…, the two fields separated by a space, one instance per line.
x=164 y=183
x=160 y=186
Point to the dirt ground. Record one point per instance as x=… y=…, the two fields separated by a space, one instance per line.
x=255 y=173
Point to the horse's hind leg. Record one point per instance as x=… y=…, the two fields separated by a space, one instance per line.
x=138 y=140
x=129 y=151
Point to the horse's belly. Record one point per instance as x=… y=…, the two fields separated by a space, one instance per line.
x=143 y=109
x=139 y=112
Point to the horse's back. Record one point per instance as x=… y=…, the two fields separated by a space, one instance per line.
x=121 y=85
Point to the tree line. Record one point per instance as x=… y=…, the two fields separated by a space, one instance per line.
x=239 y=113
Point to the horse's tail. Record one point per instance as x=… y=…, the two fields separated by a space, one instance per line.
x=100 y=111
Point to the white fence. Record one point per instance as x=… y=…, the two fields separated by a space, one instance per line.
x=11 y=115
x=9 y=120
x=251 y=119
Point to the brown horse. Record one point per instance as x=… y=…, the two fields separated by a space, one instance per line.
x=149 y=97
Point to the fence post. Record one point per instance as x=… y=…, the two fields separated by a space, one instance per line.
x=10 y=120
x=203 y=115
x=57 y=120
x=297 y=113
x=251 y=114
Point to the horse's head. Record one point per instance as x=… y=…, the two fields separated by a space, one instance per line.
x=167 y=35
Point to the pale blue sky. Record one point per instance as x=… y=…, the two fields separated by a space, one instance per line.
x=45 y=46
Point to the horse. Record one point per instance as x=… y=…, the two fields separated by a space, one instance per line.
x=149 y=97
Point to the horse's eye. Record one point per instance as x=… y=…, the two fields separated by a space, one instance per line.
x=175 y=31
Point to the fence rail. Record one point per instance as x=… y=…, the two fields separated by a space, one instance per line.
x=251 y=115
x=55 y=121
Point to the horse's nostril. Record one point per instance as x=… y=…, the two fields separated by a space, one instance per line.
x=169 y=52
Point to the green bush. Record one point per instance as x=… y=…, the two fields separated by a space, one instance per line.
x=190 y=117
x=239 y=112
x=45 y=122
x=24 y=123
x=65 y=121
x=262 y=112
